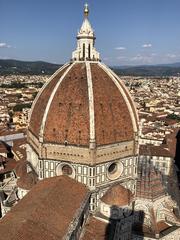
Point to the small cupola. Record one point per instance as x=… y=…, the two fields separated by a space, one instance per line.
x=85 y=50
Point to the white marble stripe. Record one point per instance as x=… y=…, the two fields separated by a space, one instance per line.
x=44 y=86
x=126 y=90
x=50 y=101
x=117 y=83
x=91 y=105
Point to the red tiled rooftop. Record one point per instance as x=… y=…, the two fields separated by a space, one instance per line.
x=149 y=184
x=69 y=110
x=95 y=230
x=171 y=141
x=161 y=226
x=113 y=122
x=8 y=163
x=40 y=106
x=45 y=212
x=68 y=118
x=151 y=150
x=117 y=195
x=3 y=147
x=27 y=181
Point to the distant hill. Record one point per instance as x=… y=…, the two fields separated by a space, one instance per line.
x=177 y=64
x=40 y=67
x=23 y=67
x=156 y=70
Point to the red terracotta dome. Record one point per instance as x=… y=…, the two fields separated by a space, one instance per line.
x=117 y=195
x=82 y=103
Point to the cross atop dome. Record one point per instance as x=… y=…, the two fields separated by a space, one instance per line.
x=85 y=50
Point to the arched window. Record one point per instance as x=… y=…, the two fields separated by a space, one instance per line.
x=89 y=51
x=83 y=50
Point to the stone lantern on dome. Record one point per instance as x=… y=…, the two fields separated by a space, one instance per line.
x=86 y=41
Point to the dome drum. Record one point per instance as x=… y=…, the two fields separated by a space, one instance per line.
x=115 y=170
x=65 y=169
x=79 y=154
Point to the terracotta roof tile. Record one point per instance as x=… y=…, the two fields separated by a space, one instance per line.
x=171 y=141
x=161 y=226
x=151 y=150
x=8 y=163
x=112 y=119
x=45 y=212
x=3 y=147
x=27 y=181
x=95 y=230
x=21 y=168
x=19 y=149
x=39 y=109
x=117 y=195
x=68 y=116
x=149 y=184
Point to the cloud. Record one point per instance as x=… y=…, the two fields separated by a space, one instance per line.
x=154 y=54
x=147 y=45
x=4 y=57
x=137 y=58
x=171 y=56
x=121 y=57
x=142 y=59
x=120 y=48
x=4 y=45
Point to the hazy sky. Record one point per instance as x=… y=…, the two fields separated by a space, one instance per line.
x=129 y=32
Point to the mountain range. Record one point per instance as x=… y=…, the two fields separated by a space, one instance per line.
x=10 y=66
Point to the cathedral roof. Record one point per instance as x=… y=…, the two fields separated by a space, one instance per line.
x=149 y=184
x=83 y=105
x=117 y=195
x=44 y=213
x=96 y=230
x=84 y=102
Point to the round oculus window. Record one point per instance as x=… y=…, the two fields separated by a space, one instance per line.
x=114 y=170
x=66 y=170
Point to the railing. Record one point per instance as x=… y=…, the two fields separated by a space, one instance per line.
x=9 y=202
x=3 y=185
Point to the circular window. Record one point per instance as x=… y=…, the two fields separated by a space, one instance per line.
x=114 y=170
x=66 y=170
